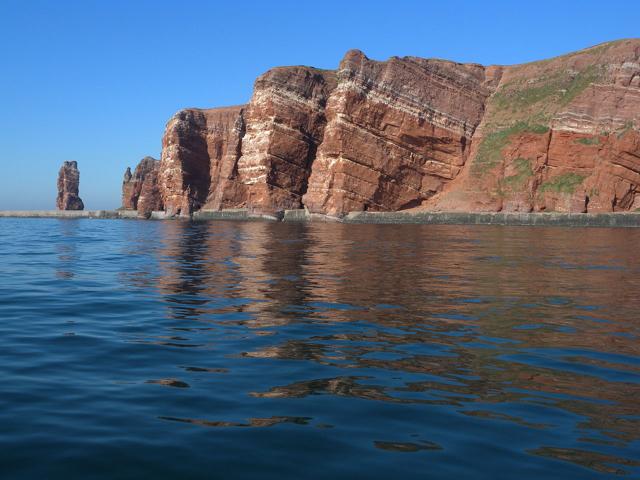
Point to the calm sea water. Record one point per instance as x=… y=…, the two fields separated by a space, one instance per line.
x=245 y=350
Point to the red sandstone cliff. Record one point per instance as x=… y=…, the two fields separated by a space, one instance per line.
x=200 y=152
x=256 y=156
x=397 y=132
x=141 y=190
x=560 y=134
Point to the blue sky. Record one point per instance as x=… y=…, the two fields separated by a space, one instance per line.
x=96 y=81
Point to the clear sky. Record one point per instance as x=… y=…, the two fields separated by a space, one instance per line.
x=96 y=81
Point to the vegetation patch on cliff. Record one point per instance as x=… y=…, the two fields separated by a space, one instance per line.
x=524 y=97
x=516 y=183
x=597 y=51
x=580 y=82
x=589 y=141
x=490 y=150
x=565 y=183
x=523 y=173
x=627 y=127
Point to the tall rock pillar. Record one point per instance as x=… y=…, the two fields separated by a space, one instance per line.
x=68 y=187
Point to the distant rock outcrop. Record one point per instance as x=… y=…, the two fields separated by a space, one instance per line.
x=68 y=187
x=557 y=135
x=140 y=191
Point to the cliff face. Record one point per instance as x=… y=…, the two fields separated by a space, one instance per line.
x=256 y=156
x=68 y=187
x=200 y=152
x=285 y=124
x=560 y=134
x=397 y=132
x=140 y=191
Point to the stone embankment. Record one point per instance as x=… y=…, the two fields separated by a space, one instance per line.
x=69 y=213
x=416 y=217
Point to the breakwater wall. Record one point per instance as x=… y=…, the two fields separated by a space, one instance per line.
x=69 y=213
x=622 y=219
x=499 y=218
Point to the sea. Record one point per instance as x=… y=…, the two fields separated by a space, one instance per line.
x=204 y=350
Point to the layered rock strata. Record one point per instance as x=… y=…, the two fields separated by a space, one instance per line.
x=68 y=187
x=285 y=122
x=397 y=132
x=556 y=135
x=200 y=152
x=141 y=190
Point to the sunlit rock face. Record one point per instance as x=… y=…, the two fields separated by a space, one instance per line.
x=556 y=135
x=150 y=199
x=285 y=122
x=256 y=156
x=397 y=132
x=140 y=190
x=68 y=187
x=200 y=152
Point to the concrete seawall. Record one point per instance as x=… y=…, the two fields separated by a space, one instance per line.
x=69 y=213
x=430 y=218
x=499 y=218
x=233 y=214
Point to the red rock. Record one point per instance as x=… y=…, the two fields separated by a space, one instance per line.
x=132 y=185
x=284 y=125
x=129 y=198
x=200 y=151
x=574 y=119
x=150 y=198
x=561 y=134
x=397 y=131
x=68 y=187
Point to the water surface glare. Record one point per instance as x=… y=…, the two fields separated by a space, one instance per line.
x=271 y=350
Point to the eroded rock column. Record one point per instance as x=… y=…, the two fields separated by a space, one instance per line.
x=68 y=187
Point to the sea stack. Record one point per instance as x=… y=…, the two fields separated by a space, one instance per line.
x=68 y=187
x=140 y=190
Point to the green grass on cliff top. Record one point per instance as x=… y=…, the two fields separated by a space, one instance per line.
x=545 y=94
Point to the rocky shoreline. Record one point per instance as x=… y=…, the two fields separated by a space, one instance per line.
x=620 y=219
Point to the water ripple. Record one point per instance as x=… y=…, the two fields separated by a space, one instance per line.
x=174 y=349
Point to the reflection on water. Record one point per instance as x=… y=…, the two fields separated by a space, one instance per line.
x=252 y=422
x=66 y=248
x=369 y=350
